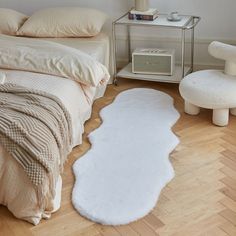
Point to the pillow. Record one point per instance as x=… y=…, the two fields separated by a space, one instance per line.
x=64 y=22
x=11 y=21
x=51 y=58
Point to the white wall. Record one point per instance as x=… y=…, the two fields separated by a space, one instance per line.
x=112 y=7
x=218 y=19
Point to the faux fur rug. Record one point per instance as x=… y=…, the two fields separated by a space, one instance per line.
x=120 y=178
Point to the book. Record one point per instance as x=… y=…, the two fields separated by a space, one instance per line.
x=142 y=17
x=149 y=12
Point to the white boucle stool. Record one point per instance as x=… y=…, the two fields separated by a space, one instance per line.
x=213 y=89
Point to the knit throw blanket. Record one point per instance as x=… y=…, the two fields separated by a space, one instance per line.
x=35 y=128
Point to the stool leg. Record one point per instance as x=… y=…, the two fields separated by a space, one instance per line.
x=220 y=117
x=191 y=109
x=233 y=111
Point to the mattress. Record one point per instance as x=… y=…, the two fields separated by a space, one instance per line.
x=97 y=47
x=16 y=191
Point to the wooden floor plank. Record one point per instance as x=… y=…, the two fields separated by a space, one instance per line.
x=229 y=215
x=154 y=222
x=126 y=230
x=143 y=229
x=229 y=192
x=214 y=232
x=229 y=203
x=231 y=183
x=229 y=228
x=107 y=230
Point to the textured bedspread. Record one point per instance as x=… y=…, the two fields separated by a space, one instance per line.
x=35 y=128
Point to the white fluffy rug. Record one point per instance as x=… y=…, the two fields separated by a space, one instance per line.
x=120 y=178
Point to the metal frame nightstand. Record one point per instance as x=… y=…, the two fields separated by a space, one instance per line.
x=186 y=23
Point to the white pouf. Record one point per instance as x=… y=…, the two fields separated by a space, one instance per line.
x=211 y=89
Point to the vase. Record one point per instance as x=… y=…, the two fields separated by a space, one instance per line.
x=141 y=5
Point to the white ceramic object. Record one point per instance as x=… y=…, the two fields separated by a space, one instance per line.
x=174 y=16
x=141 y=5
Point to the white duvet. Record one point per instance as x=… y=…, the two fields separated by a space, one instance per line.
x=51 y=58
x=16 y=191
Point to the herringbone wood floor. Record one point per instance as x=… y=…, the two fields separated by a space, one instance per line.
x=201 y=199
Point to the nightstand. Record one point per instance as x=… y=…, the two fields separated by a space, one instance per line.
x=187 y=23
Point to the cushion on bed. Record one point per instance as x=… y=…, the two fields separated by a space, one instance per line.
x=11 y=21
x=64 y=22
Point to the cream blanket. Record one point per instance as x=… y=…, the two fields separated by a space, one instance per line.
x=51 y=58
x=35 y=128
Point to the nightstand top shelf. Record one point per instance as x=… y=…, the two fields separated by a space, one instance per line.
x=161 y=21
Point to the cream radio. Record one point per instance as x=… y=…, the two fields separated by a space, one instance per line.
x=153 y=61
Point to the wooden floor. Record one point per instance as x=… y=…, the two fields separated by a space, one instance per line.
x=201 y=199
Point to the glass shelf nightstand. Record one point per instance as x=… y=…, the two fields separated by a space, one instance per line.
x=185 y=24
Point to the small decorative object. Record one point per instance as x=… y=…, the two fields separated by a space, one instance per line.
x=150 y=15
x=174 y=16
x=141 y=5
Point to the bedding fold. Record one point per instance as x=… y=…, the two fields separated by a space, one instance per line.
x=51 y=58
x=36 y=129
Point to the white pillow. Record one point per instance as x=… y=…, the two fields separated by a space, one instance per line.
x=64 y=22
x=11 y=21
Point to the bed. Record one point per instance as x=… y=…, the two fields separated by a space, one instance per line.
x=16 y=190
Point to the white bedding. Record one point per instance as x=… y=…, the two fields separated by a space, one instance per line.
x=16 y=191
x=98 y=47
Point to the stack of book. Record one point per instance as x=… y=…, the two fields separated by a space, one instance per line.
x=150 y=14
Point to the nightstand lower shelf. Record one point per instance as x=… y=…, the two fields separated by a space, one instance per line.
x=126 y=72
